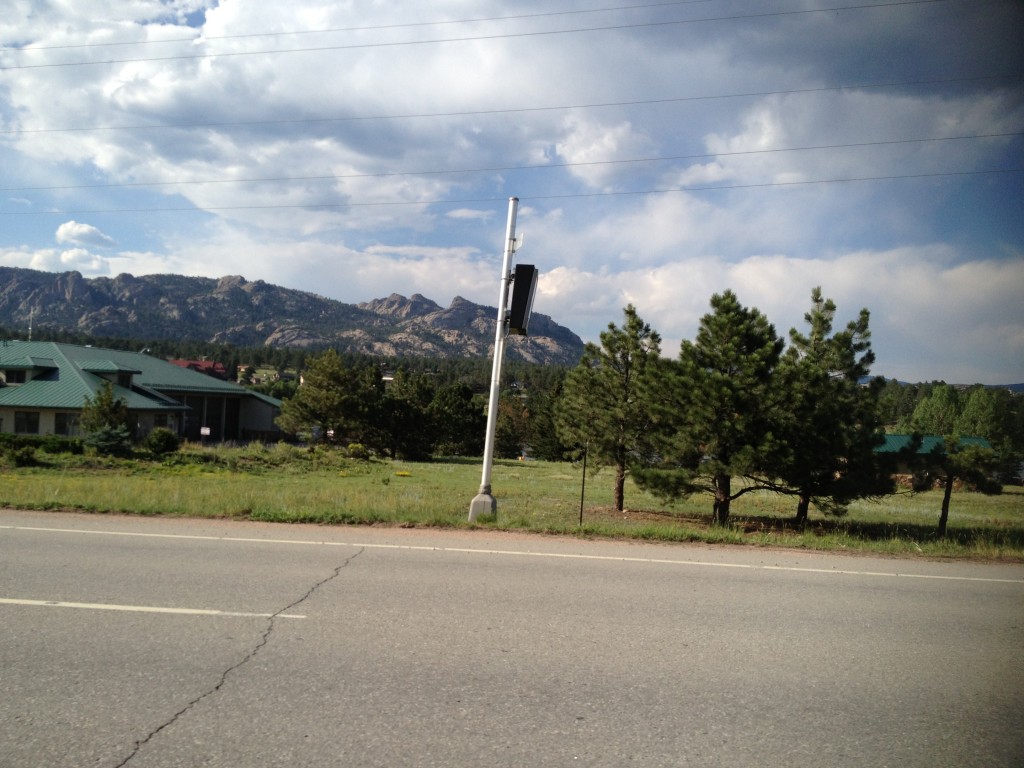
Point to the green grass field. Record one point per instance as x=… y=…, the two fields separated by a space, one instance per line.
x=287 y=484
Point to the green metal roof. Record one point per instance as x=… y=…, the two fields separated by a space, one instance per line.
x=929 y=443
x=29 y=363
x=106 y=366
x=69 y=373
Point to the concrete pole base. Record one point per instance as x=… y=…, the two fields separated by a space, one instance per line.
x=482 y=504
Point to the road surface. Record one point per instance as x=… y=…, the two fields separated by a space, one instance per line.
x=154 y=642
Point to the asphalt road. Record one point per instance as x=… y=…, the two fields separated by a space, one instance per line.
x=156 y=642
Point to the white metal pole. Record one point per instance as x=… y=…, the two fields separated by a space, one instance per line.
x=484 y=502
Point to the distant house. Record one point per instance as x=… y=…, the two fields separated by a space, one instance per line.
x=206 y=367
x=899 y=446
x=44 y=385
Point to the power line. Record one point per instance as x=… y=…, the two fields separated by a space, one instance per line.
x=493 y=169
x=477 y=38
x=466 y=201
x=364 y=28
x=519 y=110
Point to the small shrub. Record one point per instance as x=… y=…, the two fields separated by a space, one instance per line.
x=55 y=444
x=161 y=441
x=358 y=451
x=25 y=456
x=110 y=441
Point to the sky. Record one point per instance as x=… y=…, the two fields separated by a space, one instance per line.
x=661 y=152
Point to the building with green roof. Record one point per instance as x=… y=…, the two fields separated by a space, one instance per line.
x=910 y=451
x=44 y=385
x=930 y=444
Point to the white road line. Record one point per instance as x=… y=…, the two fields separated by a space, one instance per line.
x=145 y=609
x=520 y=553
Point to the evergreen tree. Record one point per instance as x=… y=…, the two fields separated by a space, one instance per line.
x=716 y=407
x=942 y=413
x=829 y=422
x=982 y=413
x=511 y=433
x=460 y=421
x=541 y=406
x=601 y=408
x=973 y=464
x=406 y=419
x=336 y=401
x=104 y=422
x=938 y=412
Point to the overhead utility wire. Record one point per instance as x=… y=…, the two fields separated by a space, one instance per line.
x=516 y=110
x=491 y=169
x=477 y=38
x=567 y=196
x=365 y=28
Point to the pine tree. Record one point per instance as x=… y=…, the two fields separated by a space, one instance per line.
x=830 y=420
x=942 y=413
x=601 y=409
x=715 y=408
x=104 y=421
x=938 y=412
x=338 y=401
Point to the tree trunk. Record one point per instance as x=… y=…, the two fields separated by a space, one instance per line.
x=802 y=505
x=722 y=492
x=620 y=487
x=944 y=517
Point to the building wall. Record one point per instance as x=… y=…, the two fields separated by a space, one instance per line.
x=228 y=418
x=142 y=423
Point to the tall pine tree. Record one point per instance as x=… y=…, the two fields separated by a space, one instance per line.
x=715 y=408
x=601 y=408
x=830 y=422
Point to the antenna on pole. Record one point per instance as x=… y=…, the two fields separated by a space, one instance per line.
x=484 y=503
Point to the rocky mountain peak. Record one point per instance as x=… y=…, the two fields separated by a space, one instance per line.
x=232 y=310
x=400 y=307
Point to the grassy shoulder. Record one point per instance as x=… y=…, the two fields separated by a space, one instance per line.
x=283 y=483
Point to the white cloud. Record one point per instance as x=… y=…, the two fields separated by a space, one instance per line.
x=590 y=145
x=53 y=260
x=298 y=181
x=470 y=213
x=930 y=313
x=76 y=233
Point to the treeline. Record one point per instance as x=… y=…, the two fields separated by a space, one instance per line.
x=475 y=373
x=417 y=409
x=798 y=416
x=738 y=409
x=997 y=414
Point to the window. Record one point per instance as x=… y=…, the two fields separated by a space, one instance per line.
x=14 y=377
x=65 y=424
x=26 y=422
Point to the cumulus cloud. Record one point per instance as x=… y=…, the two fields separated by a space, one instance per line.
x=363 y=166
x=930 y=315
x=53 y=260
x=589 y=146
x=76 y=233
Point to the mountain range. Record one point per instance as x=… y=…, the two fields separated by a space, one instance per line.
x=233 y=310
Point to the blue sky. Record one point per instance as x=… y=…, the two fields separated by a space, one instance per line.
x=661 y=152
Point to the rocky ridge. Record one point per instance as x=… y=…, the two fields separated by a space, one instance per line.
x=233 y=310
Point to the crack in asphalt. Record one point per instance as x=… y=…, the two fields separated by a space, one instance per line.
x=264 y=639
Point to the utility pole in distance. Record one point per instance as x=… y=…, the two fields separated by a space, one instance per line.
x=484 y=503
